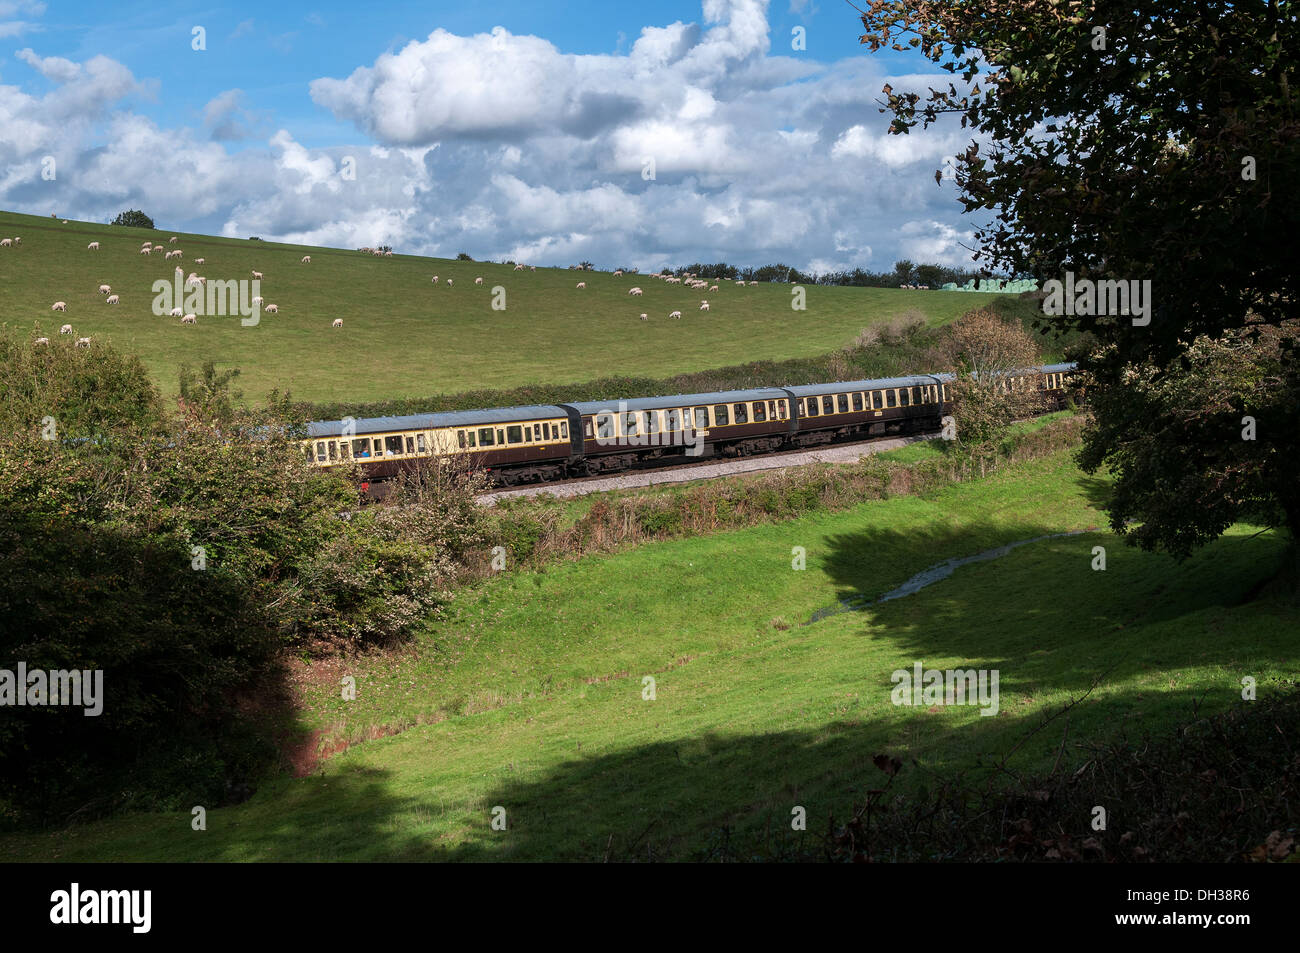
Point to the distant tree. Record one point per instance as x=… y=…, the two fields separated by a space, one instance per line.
x=462 y=256
x=133 y=218
x=903 y=271
x=585 y=266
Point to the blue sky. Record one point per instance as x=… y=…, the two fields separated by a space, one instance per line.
x=621 y=133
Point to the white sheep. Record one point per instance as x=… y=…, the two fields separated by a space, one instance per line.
x=93 y=246
x=675 y=314
x=713 y=288
x=146 y=251
x=104 y=289
x=83 y=342
x=257 y=275
x=111 y=299
x=42 y=341
x=533 y=267
x=635 y=291
x=272 y=309
x=435 y=279
x=199 y=261
x=174 y=313
x=5 y=242
x=450 y=282
x=173 y=239
x=157 y=248
x=257 y=300
x=306 y=259
x=66 y=329
x=189 y=319
x=17 y=240
x=478 y=281
x=60 y=306
x=618 y=273
x=704 y=306
x=519 y=267
x=582 y=284
x=387 y=254
x=644 y=316
x=338 y=323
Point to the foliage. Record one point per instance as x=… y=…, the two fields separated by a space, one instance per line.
x=133 y=218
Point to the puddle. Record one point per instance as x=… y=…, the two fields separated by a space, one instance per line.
x=928 y=577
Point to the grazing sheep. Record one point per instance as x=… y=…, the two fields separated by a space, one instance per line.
x=189 y=319
x=173 y=239
x=450 y=282
x=675 y=314
x=306 y=259
x=338 y=323
x=533 y=267
x=42 y=341
x=93 y=246
x=644 y=316
x=519 y=267
x=478 y=281
x=60 y=306
x=618 y=273
x=17 y=240
x=146 y=251
x=272 y=309
x=713 y=288
x=199 y=261
x=5 y=242
x=111 y=299
x=257 y=275
x=582 y=284
x=83 y=342
x=704 y=306
x=65 y=221
x=174 y=313
x=104 y=289
x=634 y=291
x=753 y=282
x=435 y=279
x=387 y=254
x=66 y=329
x=257 y=300
x=157 y=248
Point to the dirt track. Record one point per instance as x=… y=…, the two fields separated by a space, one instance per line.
x=843 y=453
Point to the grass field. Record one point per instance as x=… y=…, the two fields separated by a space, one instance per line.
x=528 y=694
x=402 y=336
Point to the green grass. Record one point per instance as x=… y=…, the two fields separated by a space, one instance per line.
x=528 y=694
x=404 y=337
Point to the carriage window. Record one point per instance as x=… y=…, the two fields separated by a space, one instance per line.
x=320 y=450
x=514 y=434
x=537 y=431
x=876 y=403
x=485 y=436
x=760 y=412
x=828 y=404
x=891 y=398
x=605 y=426
x=701 y=418
x=419 y=443
x=780 y=408
x=361 y=448
x=651 y=422
x=501 y=436
x=410 y=445
x=393 y=444
x=771 y=410
x=460 y=438
x=857 y=401
x=472 y=438
x=310 y=456
x=344 y=447
x=672 y=420
x=843 y=401
x=630 y=429
x=916 y=395
x=720 y=417
x=742 y=413
x=904 y=396
x=812 y=406
x=564 y=430
x=334 y=451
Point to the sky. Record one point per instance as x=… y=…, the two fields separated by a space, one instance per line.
x=629 y=135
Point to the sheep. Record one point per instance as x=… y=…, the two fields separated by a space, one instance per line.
x=174 y=313
x=146 y=251
x=704 y=306
x=753 y=283
x=675 y=314
x=148 y=241
x=189 y=319
x=618 y=273
x=635 y=291
x=338 y=323
x=257 y=300
x=111 y=299
x=257 y=275
x=5 y=242
x=533 y=267
x=450 y=282
x=60 y=306
x=104 y=289
x=199 y=261
x=306 y=259
x=478 y=281
x=712 y=288
x=435 y=279
x=83 y=342
x=519 y=267
x=644 y=316
x=42 y=341
x=272 y=309
x=17 y=240
x=66 y=329
x=387 y=254
x=93 y=246
x=173 y=239
x=157 y=248
x=65 y=221
x=582 y=284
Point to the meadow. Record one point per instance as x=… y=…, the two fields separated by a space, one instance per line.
x=529 y=693
x=403 y=336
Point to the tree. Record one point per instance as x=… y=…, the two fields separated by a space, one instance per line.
x=133 y=218
x=903 y=271
x=1129 y=141
x=463 y=256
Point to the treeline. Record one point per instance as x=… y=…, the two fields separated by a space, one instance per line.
x=904 y=272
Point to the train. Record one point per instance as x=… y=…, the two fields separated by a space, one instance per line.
x=543 y=442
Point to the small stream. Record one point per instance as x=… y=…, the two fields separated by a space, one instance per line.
x=928 y=577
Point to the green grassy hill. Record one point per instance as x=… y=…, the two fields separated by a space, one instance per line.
x=528 y=695
x=402 y=336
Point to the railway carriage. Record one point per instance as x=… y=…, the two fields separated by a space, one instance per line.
x=895 y=405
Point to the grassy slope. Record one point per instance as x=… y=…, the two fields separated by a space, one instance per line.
x=402 y=336
x=537 y=678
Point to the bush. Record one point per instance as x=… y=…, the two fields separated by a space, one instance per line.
x=133 y=218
